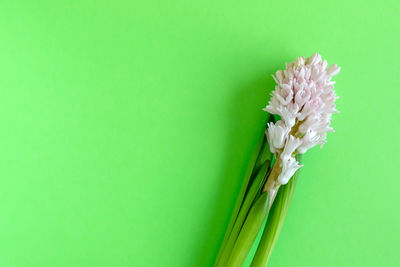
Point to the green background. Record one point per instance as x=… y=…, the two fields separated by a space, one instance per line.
x=126 y=127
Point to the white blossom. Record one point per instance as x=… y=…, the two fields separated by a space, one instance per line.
x=310 y=140
x=292 y=143
x=276 y=134
x=305 y=101
x=289 y=167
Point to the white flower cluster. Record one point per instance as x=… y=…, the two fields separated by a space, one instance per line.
x=305 y=100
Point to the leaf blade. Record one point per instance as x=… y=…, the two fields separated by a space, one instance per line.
x=251 y=228
x=275 y=223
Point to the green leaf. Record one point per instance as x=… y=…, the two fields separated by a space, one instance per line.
x=255 y=188
x=240 y=198
x=275 y=222
x=265 y=152
x=251 y=227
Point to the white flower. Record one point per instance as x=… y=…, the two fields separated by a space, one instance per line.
x=305 y=100
x=302 y=96
x=292 y=143
x=289 y=167
x=287 y=114
x=309 y=140
x=276 y=135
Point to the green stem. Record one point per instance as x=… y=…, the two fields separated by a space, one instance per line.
x=239 y=201
x=264 y=155
x=275 y=222
x=248 y=234
x=255 y=187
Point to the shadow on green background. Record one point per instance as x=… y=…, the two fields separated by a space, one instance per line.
x=242 y=105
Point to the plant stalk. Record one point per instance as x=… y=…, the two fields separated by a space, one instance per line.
x=275 y=222
x=242 y=193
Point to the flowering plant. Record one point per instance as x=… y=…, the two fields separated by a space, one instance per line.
x=304 y=100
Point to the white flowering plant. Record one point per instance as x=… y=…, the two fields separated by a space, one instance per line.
x=303 y=101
